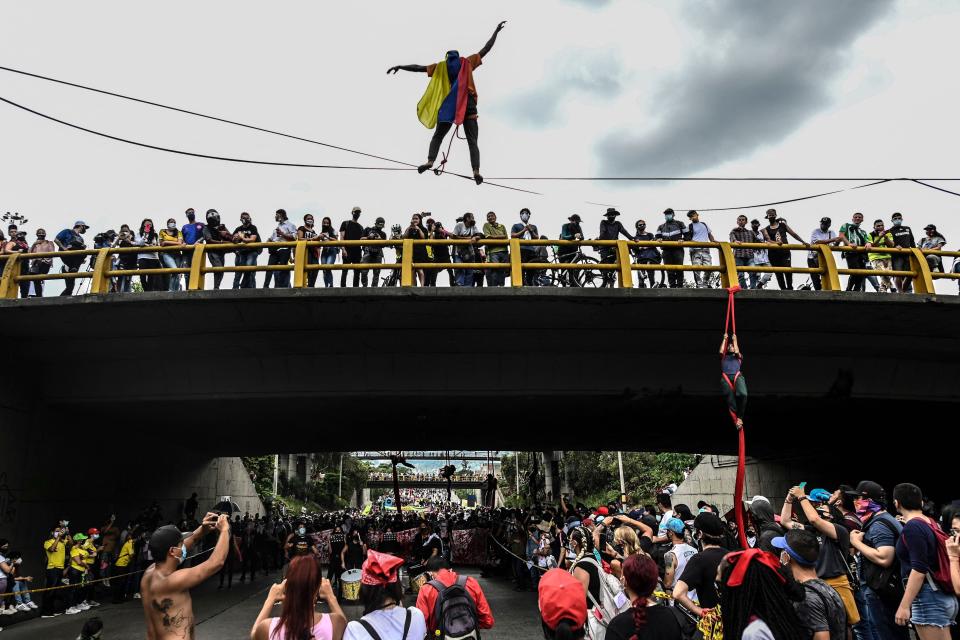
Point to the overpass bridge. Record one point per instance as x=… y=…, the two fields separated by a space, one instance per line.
x=159 y=384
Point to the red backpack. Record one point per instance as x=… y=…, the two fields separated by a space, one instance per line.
x=941 y=575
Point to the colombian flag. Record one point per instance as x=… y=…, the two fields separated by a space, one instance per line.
x=443 y=102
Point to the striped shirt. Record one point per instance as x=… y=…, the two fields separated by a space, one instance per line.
x=742 y=234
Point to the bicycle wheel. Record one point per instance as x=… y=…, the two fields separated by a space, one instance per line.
x=585 y=276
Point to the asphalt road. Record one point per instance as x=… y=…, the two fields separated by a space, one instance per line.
x=228 y=614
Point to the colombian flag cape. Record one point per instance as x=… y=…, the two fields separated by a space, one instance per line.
x=443 y=102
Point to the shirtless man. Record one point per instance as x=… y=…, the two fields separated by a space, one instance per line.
x=165 y=590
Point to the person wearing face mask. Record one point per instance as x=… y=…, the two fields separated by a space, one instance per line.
x=192 y=234
x=147 y=237
x=902 y=239
x=672 y=230
x=881 y=587
x=214 y=233
x=286 y=231
x=165 y=590
x=71 y=240
x=831 y=564
x=76 y=571
x=852 y=235
x=353 y=553
x=55 y=548
x=879 y=261
x=373 y=254
x=701 y=568
x=778 y=232
x=821 y=610
x=328 y=255
x=21 y=584
x=645 y=255
x=820 y=235
x=451 y=98
x=466 y=229
x=523 y=230
x=571 y=232
x=933 y=240
x=761 y=257
x=246 y=233
x=92 y=549
x=18 y=244
x=309 y=233
x=171 y=237
x=611 y=229
x=299 y=543
x=742 y=256
x=39 y=266
x=351 y=230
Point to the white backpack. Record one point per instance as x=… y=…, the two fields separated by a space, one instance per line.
x=613 y=601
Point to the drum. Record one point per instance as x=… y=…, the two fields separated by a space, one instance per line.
x=417 y=577
x=351 y=585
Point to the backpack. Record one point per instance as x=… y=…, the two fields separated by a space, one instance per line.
x=613 y=601
x=455 y=613
x=941 y=575
x=884 y=581
x=376 y=636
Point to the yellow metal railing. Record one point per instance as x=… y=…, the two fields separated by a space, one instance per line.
x=103 y=267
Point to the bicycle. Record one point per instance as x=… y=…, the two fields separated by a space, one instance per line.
x=583 y=277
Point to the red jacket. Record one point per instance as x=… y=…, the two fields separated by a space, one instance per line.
x=427 y=599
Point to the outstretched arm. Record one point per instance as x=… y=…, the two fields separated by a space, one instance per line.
x=486 y=48
x=416 y=68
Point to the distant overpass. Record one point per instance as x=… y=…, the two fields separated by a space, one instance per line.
x=427 y=455
x=432 y=482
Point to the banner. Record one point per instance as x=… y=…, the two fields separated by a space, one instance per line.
x=469 y=546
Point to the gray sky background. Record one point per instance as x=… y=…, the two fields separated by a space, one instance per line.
x=572 y=88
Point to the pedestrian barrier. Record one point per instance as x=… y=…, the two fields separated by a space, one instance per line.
x=618 y=260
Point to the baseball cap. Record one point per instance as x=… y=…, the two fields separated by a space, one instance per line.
x=79 y=537
x=561 y=597
x=930 y=227
x=93 y=531
x=868 y=489
x=826 y=219
x=675 y=524
x=757 y=498
x=163 y=538
x=783 y=544
x=820 y=495
x=602 y=511
x=709 y=523
x=81 y=223
x=355 y=210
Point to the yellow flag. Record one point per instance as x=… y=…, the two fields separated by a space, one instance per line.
x=439 y=88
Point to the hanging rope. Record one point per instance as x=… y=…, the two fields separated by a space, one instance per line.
x=446 y=154
x=731 y=327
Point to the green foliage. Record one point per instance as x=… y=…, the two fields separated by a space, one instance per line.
x=260 y=469
x=322 y=491
x=594 y=475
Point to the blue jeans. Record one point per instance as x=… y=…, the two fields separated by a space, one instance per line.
x=496 y=277
x=246 y=279
x=17 y=588
x=464 y=276
x=754 y=277
x=281 y=279
x=328 y=256
x=172 y=261
x=878 y=621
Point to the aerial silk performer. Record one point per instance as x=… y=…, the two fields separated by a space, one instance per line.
x=451 y=99
x=734 y=388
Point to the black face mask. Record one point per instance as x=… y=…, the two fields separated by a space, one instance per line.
x=356 y=217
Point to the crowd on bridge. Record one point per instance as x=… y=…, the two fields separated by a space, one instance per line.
x=850 y=562
x=773 y=232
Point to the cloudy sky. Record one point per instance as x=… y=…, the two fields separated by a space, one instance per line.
x=738 y=88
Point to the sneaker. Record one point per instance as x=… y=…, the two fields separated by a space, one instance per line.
x=136 y=596
x=22 y=607
x=93 y=603
x=71 y=611
x=8 y=612
x=83 y=607
x=32 y=605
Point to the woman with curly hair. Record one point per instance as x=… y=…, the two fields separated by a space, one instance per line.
x=646 y=619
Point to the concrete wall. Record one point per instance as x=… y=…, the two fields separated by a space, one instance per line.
x=713 y=481
x=87 y=474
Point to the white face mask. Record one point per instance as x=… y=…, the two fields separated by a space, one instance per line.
x=525 y=217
